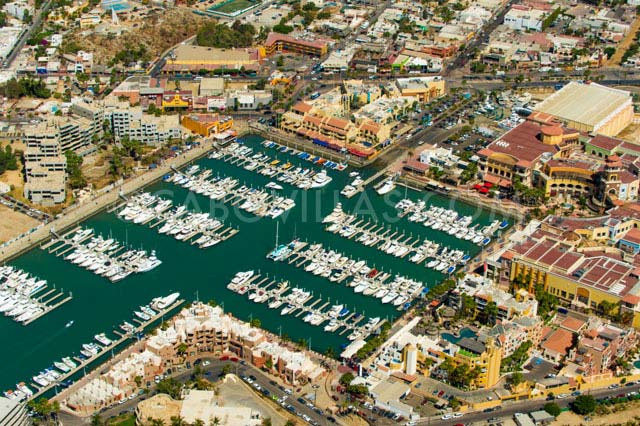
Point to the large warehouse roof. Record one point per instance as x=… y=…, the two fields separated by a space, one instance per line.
x=588 y=104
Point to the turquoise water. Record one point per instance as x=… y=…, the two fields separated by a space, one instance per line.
x=465 y=332
x=636 y=364
x=99 y=305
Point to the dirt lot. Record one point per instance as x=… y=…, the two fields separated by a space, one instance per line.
x=629 y=416
x=14 y=223
x=157 y=33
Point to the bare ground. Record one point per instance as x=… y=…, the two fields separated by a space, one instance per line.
x=157 y=33
x=629 y=414
x=14 y=223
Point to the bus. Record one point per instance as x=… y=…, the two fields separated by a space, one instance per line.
x=314 y=95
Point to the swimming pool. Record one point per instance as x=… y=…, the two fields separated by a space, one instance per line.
x=465 y=332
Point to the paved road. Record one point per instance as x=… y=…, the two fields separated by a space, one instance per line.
x=35 y=25
x=525 y=406
x=212 y=372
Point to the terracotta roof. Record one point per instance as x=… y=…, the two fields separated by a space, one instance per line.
x=521 y=143
x=605 y=142
x=559 y=341
x=632 y=236
x=572 y=324
x=551 y=130
x=282 y=38
x=302 y=107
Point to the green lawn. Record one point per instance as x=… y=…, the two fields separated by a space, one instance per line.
x=123 y=420
x=232 y=6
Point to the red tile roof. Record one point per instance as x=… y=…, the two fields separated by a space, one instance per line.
x=572 y=324
x=559 y=341
x=521 y=143
x=605 y=142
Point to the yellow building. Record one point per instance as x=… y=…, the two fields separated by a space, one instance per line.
x=580 y=279
x=486 y=357
x=425 y=89
x=207 y=124
x=568 y=177
x=188 y=58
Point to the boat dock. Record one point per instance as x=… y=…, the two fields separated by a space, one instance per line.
x=193 y=228
x=339 y=268
x=100 y=255
x=301 y=304
x=394 y=242
x=26 y=299
x=257 y=201
x=83 y=363
x=283 y=171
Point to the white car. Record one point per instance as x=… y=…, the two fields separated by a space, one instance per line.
x=457 y=415
x=205 y=363
x=446 y=417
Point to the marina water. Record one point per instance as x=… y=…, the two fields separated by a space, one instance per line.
x=99 y=305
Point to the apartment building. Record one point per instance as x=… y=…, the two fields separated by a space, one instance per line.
x=133 y=123
x=206 y=330
x=277 y=42
x=44 y=165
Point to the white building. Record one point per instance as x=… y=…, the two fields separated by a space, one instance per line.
x=521 y=18
x=133 y=123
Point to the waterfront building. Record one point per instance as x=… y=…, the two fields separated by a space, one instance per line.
x=483 y=291
x=13 y=413
x=590 y=108
x=93 y=396
x=207 y=124
x=206 y=330
x=44 y=165
x=388 y=395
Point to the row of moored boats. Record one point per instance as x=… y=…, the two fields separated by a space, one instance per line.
x=104 y=256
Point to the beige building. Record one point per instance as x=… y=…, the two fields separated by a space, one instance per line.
x=590 y=108
x=197 y=405
x=424 y=89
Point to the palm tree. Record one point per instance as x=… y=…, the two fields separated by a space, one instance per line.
x=198 y=422
x=177 y=421
x=266 y=421
x=215 y=421
x=96 y=420
x=157 y=422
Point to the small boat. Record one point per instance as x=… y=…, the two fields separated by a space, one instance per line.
x=69 y=324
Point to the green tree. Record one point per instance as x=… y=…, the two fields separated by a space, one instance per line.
x=182 y=349
x=516 y=379
x=171 y=387
x=74 y=169
x=290 y=423
x=222 y=36
x=138 y=380
x=266 y=421
x=330 y=352
x=156 y=422
x=552 y=408
x=226 y=369
x=177 y=421
x=584 y=404
x=280 y=61
x=346 y=379
x=255 y=322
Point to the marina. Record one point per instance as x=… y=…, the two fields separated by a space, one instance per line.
x=25 y=298
x=59 y=373
x=259 y=162
x=356 y=274
x=196 y=228
x=293 y=301
x=256 y=201
x=398 y=244
x=104 y=257
x=193 y=271
x=449 y=221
